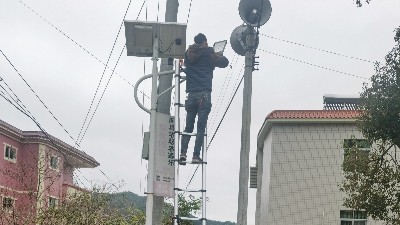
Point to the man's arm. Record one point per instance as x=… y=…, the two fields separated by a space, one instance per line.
x=219 y=60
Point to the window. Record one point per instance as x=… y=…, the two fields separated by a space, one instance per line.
x=362 y=145
x=53 y=202
x=352 y=217
x=54 y=162
x=358 y=143
x=10 y=153
x=8 y=203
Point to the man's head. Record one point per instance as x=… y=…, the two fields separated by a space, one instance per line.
x=200 y=39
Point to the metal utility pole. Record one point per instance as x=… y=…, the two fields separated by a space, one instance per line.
x=164 y=101
x=137 y=35
x=150 y=177
x=254 y=13
x=245 y=136
x=165 y=82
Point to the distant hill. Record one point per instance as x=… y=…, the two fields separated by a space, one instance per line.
x=123 y=199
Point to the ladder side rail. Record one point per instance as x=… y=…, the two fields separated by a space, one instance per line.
x=176 y=142
x=204 y=186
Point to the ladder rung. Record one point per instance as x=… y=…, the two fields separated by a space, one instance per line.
x=191 y=190
x=191 y=218
x=190 y=134
x=190 y=162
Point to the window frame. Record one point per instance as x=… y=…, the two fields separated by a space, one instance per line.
x=57 y=165
x=7 y=208
x=352 y=219
x=8 y=155
x=346 y=147
x=50 y=200
x=358 y=141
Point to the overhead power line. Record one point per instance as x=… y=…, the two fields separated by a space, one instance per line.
x=79 y=45
x=219 y=124
x=141 y=10
x=87 y=51
x=223 y=90
x=101 y=97
x=319 y=49
x=19 y=105
x=101 y=78
x=311 y=64
x=190 y=7
x=37 y=96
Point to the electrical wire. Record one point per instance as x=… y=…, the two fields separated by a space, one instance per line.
x=79 y=45
x=37 y=96
x=101 y=79
x=188 y=15
x=311 y=64
x=17 y=103
x=101 y=97
x=222 y=93
x=319 y=49
x=82 y=46
x=219 y=124
x=20 y=107
x=141 y=10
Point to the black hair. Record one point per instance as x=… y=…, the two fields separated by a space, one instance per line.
x=200 y=38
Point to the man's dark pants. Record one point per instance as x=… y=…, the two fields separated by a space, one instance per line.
x=197 y=103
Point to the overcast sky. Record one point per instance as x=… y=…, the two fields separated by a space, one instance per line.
x=65 y=76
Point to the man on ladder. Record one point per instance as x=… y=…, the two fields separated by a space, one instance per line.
x=200 y=62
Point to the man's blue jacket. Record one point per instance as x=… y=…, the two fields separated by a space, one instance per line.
x=200 y=62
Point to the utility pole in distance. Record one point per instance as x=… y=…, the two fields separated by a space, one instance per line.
x=244 y=41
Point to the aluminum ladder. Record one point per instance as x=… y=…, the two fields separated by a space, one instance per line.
x=177 y=218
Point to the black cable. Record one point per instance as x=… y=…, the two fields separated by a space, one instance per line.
x=15 y=69
x=21 y=107
x=76 y=43
x=48 y=136
x=222 y=93
x=169 y=47
x=87 y=51
x=222 y=119
x=101 y=78
x=52 y=142
x=158 y=9
x=141 y=10
x=98 y=103
x=190 y=7
x=322 y=50
x=311 y=64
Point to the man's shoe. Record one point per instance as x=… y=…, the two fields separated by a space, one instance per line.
x=196 y=160
x=182 y=159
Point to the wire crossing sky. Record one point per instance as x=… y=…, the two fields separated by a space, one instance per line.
x=306 y=50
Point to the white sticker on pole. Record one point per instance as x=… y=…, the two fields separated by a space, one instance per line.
x=164 y=177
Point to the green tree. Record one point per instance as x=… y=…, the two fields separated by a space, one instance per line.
x=88 y=209
x=187 y=208
x=372 y=181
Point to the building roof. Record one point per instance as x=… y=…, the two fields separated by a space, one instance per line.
x=305 y=116
x=313 y=114
x=78 y=158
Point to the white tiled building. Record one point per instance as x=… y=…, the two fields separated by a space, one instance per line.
x=299 y=158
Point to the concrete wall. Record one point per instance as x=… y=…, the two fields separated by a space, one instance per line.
x=301 y=173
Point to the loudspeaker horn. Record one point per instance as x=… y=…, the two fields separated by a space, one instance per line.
x=255 y=12
x=238 y=39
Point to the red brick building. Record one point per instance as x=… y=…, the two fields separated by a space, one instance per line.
x=36 y=172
